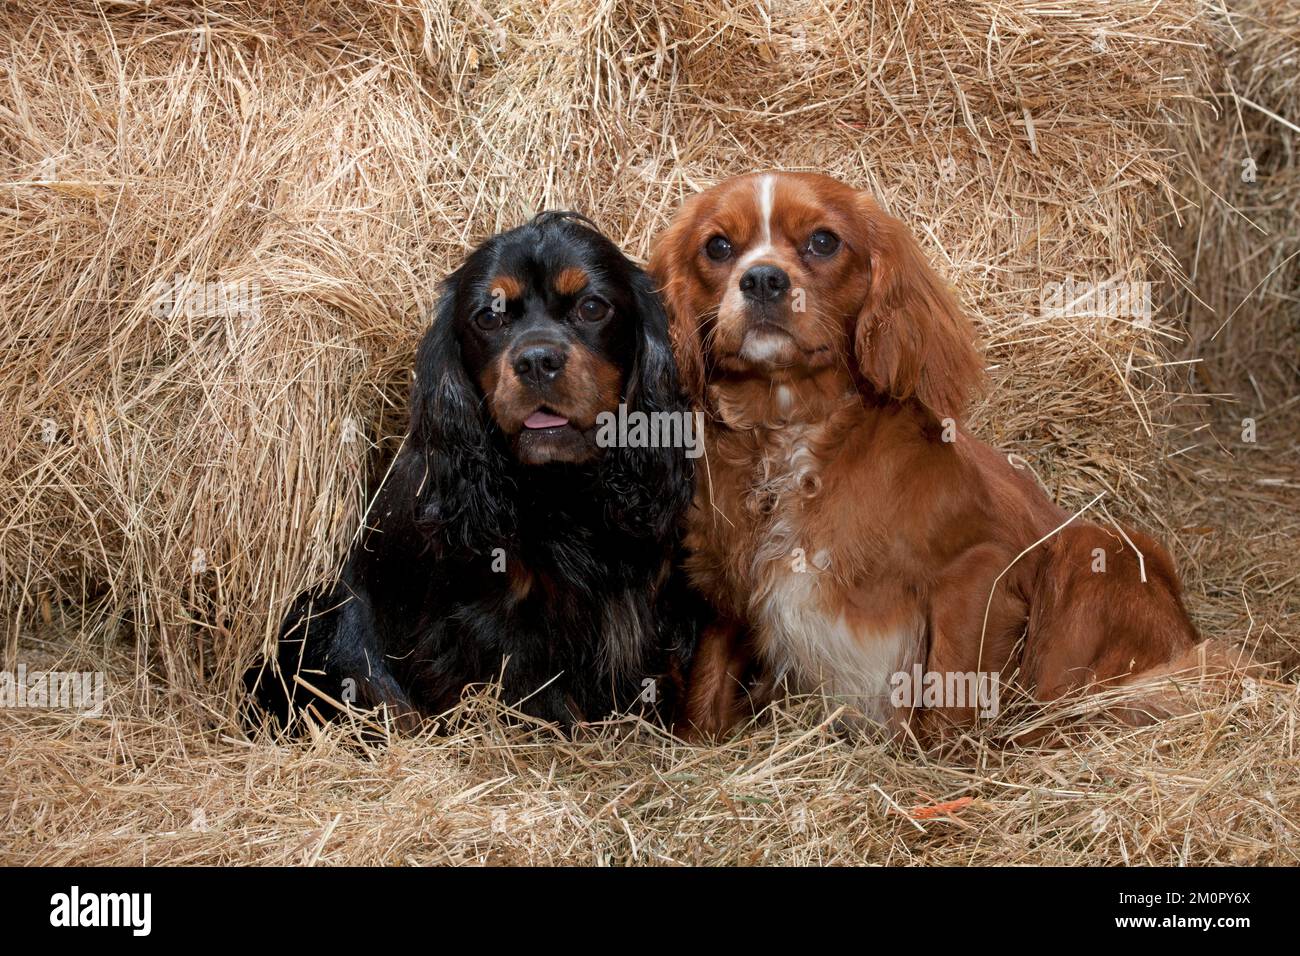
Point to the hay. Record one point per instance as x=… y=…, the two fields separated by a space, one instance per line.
x=340 y=161
x=1219 y=786
x=1240 y=241
x=1242 y=244
x=175 y=479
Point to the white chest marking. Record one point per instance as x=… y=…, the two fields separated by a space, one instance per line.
x=800 y=642
x=816 y=654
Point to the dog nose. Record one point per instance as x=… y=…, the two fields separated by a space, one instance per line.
x=539 y=364
x=764 y=283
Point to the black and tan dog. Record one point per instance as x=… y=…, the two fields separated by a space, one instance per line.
x=507 y=542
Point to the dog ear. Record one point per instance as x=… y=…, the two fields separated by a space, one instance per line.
x=649 y=488
x=464 y=498
x=667 y=267
x=911 y=340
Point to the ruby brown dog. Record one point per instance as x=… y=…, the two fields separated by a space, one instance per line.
x=846 y=528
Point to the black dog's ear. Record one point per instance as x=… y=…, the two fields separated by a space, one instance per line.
x=467 y=496
x=651 y=487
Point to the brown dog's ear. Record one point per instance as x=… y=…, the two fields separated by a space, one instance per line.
x=670 y=262
x=912 y=341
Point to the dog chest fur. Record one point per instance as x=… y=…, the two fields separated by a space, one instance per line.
x=801 y=623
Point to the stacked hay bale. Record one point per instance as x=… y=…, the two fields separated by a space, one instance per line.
x=1242 y=242
x=222 y=225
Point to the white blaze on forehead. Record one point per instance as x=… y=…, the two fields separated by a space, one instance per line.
x=764 y=190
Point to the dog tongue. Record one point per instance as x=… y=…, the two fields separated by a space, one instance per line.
x=541 y=419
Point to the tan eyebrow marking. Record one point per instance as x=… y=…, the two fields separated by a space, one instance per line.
x=506 y=285
x=571 y=281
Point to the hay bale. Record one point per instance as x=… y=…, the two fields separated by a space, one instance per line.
x=1239 y=237
x=1241 y=242
x=188 y=471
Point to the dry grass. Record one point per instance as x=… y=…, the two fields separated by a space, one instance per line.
x=172 y=786
x=1242 y=243
x=1241 y=308
x=344 y=155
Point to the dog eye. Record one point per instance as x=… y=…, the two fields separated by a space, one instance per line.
x=718 y=248
x=488 y=320
x=593 y=309
x=823 y=243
